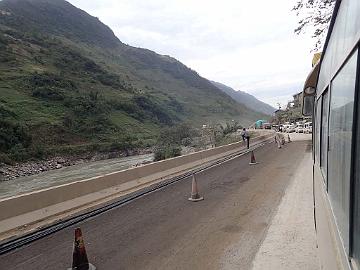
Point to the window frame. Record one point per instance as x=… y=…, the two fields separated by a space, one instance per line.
x=317 y=130
x=349 y=235
x=354 y=172
x=325 y=174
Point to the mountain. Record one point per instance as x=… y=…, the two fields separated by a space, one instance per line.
x=246 y=99
x=59 y=18
x=68 y=84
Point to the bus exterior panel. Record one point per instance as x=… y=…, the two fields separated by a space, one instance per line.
x=331 y=253
x=336 y=166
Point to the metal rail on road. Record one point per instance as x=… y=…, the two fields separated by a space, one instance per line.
x=13 y=244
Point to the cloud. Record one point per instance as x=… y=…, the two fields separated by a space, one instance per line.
x=248 y=45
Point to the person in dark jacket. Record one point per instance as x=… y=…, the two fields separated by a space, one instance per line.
x=245 y=136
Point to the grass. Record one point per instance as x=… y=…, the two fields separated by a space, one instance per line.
x=74 y=92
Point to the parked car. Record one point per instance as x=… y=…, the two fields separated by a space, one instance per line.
x=299 y=128
x=284 y=128
x=290 y=128
x=308 y=127
x=267 y=126
x=275 y=127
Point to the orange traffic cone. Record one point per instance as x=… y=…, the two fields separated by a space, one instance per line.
x=80 y=260
x=195 y=197
x=252 y=159
x=289 y=140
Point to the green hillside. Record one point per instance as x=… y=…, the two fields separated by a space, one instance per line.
x=67 y=84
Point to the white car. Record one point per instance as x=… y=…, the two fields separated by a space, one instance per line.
x=284 y=128
x=299 y=128
x=308 y=127
x=290 y=128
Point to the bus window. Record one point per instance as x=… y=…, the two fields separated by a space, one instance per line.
x=340 y=139
x=356 y=197
x=324 y=134
x=318 y=129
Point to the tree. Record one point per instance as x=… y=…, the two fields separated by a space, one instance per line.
x=171 y=139
x=176 y=135
x=316 y=15
x=230 y=127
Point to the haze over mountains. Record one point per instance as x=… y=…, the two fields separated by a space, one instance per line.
x=246 y=99
x=67 y=83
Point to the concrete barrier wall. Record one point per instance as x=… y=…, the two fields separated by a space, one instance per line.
x=18 y=205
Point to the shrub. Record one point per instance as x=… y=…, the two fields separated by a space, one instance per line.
x=49 y=80
x=48 y=93
x=13 y=134
x=125 y=143
x=129 y=107
x=4 y=158
x=159 y=155
x=110 y=80
x=175 y=105
x=186 y=141
x=230 y=127
x=38 y=151
x=153 y=108
x=181 y=134
x=19 y=153
x=5 y=112
x=167 y=152
x=89 y=104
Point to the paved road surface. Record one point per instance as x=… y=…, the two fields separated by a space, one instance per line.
x=163 y=230
x=290 y=241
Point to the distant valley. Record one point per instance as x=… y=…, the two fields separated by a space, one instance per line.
x=69 y=85
x=246 y=99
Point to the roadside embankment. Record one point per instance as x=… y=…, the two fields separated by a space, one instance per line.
x=31 y=207
x=10 y=172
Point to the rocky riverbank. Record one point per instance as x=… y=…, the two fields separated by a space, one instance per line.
x=9 y=172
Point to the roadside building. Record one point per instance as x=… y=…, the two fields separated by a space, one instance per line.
x=297 y=99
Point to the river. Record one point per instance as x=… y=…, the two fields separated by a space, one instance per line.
x=68 y=174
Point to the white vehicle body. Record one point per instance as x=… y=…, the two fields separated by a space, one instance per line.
x=284 y=127
x=336 y=144
x=290 y=128
x=299 y=128
x=308 y=127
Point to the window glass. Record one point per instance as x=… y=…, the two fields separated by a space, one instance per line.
x=324 y=134
x=356 y=224
x=340 y=137
x=317 y=130
x=343 y=38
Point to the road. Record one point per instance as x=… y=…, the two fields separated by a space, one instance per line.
x=290 y=241
x=163 y=230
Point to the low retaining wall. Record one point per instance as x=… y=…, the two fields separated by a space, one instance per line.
x=18 y=205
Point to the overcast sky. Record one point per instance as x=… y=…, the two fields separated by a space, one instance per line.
x=247 y=45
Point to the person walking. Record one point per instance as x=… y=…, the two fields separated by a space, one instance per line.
x=245 y=136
